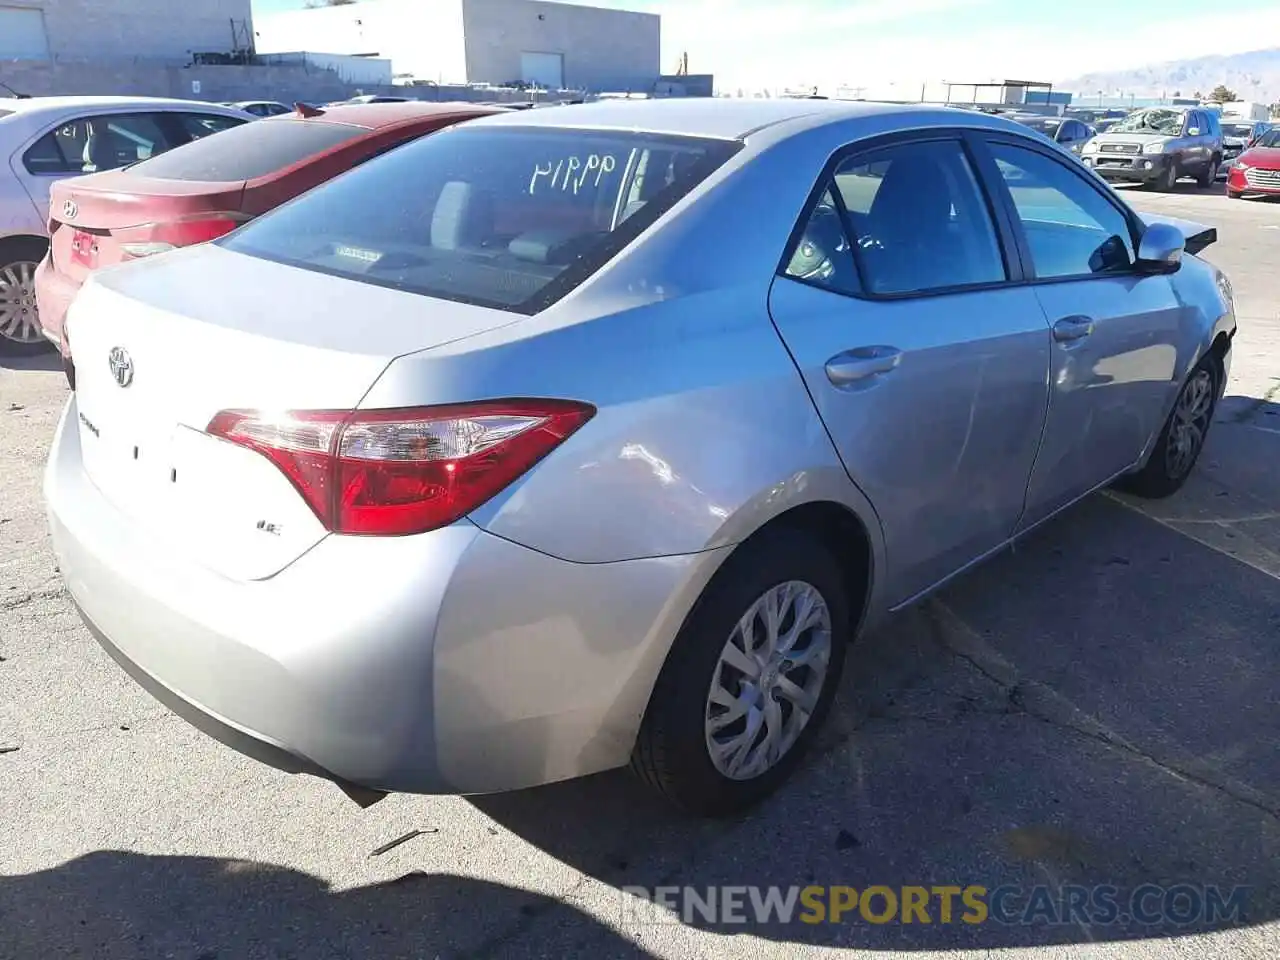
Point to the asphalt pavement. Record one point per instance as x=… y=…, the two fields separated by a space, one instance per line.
x=1097 y=709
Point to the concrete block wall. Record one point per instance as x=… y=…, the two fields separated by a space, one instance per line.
x=286 y=82
x=603 y=49
x=152 y=29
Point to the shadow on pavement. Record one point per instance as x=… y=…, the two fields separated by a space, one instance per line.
x=47 y=360
x=114 y=904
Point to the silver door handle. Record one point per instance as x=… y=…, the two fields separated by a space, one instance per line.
x=1072 y=328
x=862 y=362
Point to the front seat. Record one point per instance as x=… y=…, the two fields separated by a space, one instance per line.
x=463 y=218
x=102 y=148
x=910 y=243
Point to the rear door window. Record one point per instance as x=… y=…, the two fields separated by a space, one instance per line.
x=505 y=217
x=118 y=140
x=249 y=150
x=919 y=219
x=92 y=144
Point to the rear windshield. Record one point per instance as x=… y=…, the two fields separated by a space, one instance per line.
x=505 y=217
x=247 y=151
x=1237 y=129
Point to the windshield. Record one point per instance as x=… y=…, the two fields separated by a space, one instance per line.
x=1269 y=139
x=1165 y=122
x=1244 y=130
x=506 y=217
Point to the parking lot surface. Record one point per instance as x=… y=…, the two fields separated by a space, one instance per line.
x=1098 y=707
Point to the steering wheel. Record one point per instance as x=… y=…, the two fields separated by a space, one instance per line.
x=823 y=238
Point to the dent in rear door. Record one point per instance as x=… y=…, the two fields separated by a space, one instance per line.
x=929 y=372
x=942 y=445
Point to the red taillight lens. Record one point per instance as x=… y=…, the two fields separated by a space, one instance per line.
x=152 y=238
x=404 y=471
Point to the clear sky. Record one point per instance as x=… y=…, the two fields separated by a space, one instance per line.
x=761 y=43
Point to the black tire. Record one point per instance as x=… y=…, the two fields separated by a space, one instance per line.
x=1210 y=175
x=1168 y=179
x=1234 y=194
x=1165 y=473
x=671 y=753
x=13 y=253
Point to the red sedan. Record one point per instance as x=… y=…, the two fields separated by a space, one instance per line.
x=207 y=188
x=1257 y=171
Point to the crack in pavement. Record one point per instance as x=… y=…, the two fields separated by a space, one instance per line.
x=32 y=596
x=1041 y=702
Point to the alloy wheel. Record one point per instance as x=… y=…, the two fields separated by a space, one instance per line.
x=1190 y=424
x=18 y=319
x=768 y=680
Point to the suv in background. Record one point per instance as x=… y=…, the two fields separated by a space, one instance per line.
x=1158 y=146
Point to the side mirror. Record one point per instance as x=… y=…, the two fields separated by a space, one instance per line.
x=1160 y=249
x=1193 y=132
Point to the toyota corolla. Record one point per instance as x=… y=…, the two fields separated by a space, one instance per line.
x=584 y=437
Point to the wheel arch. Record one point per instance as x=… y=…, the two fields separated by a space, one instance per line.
x=12 y=240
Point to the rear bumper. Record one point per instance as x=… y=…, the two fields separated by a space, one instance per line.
x=54 y=293
x=449 y=662
x=1138 y=168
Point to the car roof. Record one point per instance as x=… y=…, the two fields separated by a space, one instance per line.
x=30 y=105
x=721 y=118
x=374 y=116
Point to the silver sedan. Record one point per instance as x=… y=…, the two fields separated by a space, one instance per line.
x=590 y=436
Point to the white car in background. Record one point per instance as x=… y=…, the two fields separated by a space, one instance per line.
x=46 y=139
x=262 y=108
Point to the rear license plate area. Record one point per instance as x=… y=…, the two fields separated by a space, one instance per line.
x=127 y=461
x=84 y=249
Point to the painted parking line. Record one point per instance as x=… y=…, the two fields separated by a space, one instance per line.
x=1222 y=536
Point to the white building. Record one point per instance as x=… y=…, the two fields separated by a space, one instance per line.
x=109 y=30
x=554 y=45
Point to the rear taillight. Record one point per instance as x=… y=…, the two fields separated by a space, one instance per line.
x=152 y=238
x=404 y=471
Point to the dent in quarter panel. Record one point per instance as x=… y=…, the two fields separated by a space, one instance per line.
x=549 y=677
x=700 y=415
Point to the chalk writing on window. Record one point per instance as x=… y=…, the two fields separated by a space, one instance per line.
x=571 y=173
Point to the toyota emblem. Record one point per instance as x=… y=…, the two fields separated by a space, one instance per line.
x=69 y=209
x=121 y=365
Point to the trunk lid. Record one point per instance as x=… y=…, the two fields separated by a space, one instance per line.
x=86 y=214
x=203 y=330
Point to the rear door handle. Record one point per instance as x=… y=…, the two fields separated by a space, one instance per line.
x=861 y=363
x=1072 y=328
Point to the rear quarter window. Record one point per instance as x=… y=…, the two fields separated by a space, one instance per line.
x=506 y=217
x=247 y=151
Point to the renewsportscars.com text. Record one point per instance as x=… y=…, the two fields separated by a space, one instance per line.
x=1148 y=904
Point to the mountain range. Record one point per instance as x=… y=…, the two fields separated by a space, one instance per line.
x=1253 y=76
